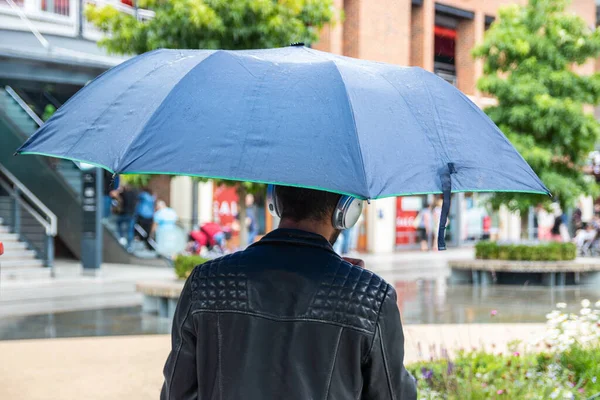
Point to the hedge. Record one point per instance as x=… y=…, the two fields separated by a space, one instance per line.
x=185 y=264
x=553 y=251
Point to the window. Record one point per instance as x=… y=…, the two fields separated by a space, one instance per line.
x=445 y=53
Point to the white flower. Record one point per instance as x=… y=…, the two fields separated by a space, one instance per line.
x=561 y=305
x=585 y=303
x=597 y=305
x=593 y=379
x=554 y=394
x=585 y=311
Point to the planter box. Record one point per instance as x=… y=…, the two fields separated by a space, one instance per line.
x=548 y=273
x=160 y=297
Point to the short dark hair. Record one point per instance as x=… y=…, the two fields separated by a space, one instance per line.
x=306 y=204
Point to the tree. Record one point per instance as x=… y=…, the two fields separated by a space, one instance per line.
x=531 y=55
x=213 y=24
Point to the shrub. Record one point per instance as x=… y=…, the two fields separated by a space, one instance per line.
x=482 y=375
x=568 y=369
x=540 y=252
x=486 y=250
x=185 y=264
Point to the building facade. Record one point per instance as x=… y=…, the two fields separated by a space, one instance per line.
x=437 y=35
x=48 y=52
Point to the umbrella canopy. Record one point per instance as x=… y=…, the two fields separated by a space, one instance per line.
x=292 y=116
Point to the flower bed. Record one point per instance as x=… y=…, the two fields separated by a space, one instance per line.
x=539 y=252
x=566 y=365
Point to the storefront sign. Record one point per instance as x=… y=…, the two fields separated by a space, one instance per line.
x=225 y=205
x=405 y=219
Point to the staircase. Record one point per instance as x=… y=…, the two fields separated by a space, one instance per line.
x=56 y=181
x=18 y=261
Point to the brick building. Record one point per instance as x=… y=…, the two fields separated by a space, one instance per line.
x=437 y=35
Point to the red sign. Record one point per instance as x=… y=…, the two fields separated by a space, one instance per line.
x=405 y=230
x=225 y=205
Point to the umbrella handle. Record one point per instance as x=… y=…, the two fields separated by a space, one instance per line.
x=447 y=192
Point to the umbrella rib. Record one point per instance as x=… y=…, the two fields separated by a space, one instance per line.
x=362 y=160
x=119 y=169
x=111 y=104
x=529 y=171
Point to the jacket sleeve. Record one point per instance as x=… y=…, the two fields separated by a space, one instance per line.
x=181 y=380
x=384 y=375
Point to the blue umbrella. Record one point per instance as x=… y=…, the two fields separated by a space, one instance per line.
x=292 y=116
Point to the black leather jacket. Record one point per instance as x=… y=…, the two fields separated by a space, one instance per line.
x=286 y=319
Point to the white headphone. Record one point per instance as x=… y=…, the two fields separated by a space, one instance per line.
x=346 y=213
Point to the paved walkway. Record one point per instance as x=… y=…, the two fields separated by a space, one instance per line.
x=115 y=286
x=130 y=367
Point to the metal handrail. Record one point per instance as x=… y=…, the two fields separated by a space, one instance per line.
x=47 y=225
x=24 y=105
x=28 y=110
x=51 y=221
x=29 y=24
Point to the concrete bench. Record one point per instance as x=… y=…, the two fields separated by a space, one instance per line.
x=553 y=273
x=160 y=297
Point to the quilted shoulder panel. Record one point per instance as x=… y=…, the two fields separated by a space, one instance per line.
x=220 y=284
x=351 y=295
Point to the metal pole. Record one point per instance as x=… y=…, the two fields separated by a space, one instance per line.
x=530 y=227
x=50 y=254
x=99 y=211
x=17 y=213
x=80 y=18
x=194 y=204
x=460 y=218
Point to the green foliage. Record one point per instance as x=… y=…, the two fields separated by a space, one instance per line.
x=212 y=24
x=136 y=180
x=481 y=375
x=49 y=110
x=583 y=362
x=553 y=251
x=529 y=56
x=184 y=265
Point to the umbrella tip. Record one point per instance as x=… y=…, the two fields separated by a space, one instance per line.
x=297 y=44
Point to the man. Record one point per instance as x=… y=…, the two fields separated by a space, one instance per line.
x=126 y=197
x=144 y=214
x=288 y=318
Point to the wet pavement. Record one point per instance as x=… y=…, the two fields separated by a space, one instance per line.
x=420 y=302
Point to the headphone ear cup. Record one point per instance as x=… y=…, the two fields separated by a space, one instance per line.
x=273 y=202
x=347 y=212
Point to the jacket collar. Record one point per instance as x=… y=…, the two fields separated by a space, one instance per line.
x=295 y=237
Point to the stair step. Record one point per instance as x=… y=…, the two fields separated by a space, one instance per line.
x=14 y=246
x=24 y=273
x=9 y=237
x=17 y=264
x=18 y=254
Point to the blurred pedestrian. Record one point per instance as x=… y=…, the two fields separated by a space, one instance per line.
x=110 y=183
x=559 y=231
x=437 y=215
x=577 y=218
x=170 y=239
x=144 y=214
x=126 y=199
x=251 y=221
x=423 y=223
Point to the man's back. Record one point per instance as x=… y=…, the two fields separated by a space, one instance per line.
x=287 y=318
